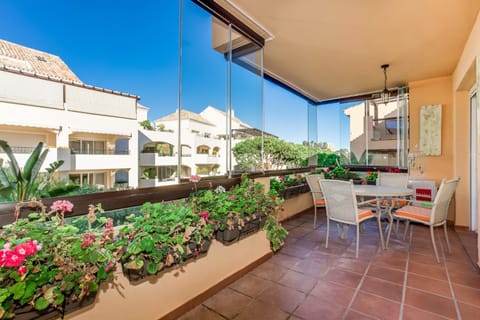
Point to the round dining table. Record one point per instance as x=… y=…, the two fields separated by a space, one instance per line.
x=381 y=193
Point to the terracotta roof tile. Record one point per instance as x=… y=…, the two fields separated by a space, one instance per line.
x=184 y=115
x=35 y=61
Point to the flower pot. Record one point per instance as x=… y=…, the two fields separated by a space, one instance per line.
x=228 y=236
x=372 y=182
x=29 y=313
x=198 y=250
x=250 y=227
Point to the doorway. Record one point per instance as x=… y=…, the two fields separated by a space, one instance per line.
x=474 y=158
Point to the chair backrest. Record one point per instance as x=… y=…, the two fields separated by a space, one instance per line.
x=391 y=179
x=442 y=200
x=340 y=200
x=312 y=181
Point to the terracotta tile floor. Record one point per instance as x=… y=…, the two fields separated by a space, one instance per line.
x=305 y=280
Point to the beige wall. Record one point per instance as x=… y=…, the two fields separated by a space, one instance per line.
x=156 y=296
x=453 y=93
x=433 y=91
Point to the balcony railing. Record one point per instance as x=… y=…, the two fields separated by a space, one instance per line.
x=117 y=152
x=19 y=149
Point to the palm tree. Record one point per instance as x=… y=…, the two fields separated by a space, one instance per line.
x=22 y=184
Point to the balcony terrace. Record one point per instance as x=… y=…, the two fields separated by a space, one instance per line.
x=305 y=280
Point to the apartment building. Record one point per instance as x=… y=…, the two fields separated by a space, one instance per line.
x=93 y=130
x=203 y=145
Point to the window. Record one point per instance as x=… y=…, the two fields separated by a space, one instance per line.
x=203 y=149
x=365 y=132
x=87 y=147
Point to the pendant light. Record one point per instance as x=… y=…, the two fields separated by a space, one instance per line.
x=385 y=94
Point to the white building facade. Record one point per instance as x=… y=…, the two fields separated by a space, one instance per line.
x=81 y=125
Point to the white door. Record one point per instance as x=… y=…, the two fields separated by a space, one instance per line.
x=474 y=159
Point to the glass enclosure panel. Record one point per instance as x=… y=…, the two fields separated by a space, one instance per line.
x=246 y=89
x=387 y=134
x=336 y=121
x=203 y=112
x=365 y=132
x=286 y=117
x=312 y=144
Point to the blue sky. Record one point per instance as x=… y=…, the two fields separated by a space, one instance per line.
x=133 y=47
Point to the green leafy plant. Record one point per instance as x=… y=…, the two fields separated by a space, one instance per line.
x=371 y=175
x=46 y=263
x=340 y=173
x=145 y=124
x=25 y=183
x=276 y=233
x=164 y=235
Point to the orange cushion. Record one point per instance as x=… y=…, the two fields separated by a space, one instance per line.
x=390 y=203
x=419 y=213
x=320 y=202
x=364 y=213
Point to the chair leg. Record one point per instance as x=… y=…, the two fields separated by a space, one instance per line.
x=358 y=241
x=344 y=232
x=340 y=233
x=407 y=224
x=446 y=238
x=314 y=217
x=328 y=231
x=397 y=224
x=432 y=235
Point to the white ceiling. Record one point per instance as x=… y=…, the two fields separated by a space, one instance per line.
x=329 y=49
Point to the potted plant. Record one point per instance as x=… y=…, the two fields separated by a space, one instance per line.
x=163 y=236
x=47 y=265
x=371 y=177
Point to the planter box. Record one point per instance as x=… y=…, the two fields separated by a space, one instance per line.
x=295 y=205
x=161 y=295
x=197 y=251
x=28 y=313
x=294 y=191
x=229 y=236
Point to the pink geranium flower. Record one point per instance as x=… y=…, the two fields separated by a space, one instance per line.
x=194 y=178
x=62 y=205
x=88 y=239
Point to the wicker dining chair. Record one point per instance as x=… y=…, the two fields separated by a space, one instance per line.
x=317 y=195
x=342 y=207
x=435 y=216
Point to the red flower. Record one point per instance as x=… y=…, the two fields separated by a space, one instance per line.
x=26 y=249
x=231 y=198
x=12 y=259
x=21 y=271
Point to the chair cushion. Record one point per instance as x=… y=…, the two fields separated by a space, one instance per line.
x=364 y=213
x=419 y=213
x=320 y=202
x=391 y=203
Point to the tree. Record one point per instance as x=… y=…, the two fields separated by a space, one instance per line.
x=146 y=125
x=278 y=154
x=25 y=183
